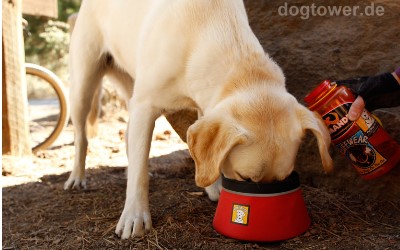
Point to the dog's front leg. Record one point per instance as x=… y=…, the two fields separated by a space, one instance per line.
x=136 y=218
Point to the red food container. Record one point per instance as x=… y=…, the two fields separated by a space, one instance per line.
x=261 y=211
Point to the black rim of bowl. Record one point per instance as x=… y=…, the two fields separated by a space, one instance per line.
x=290 y=183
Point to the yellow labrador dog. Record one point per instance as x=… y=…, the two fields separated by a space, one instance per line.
x=199 y=54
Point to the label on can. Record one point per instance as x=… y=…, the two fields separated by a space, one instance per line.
x=337 y=122
x=367 y=123
x=352 y=138
x=364 y=157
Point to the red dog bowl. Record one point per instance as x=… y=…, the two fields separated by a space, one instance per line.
x=261 y=211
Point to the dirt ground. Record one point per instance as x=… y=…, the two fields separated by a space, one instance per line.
x=38 y=214
x=41 y=215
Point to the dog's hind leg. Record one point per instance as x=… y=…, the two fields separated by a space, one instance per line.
x=94 y=113
x=84 y=84
x=87 y=69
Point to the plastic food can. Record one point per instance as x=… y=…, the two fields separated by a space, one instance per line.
x=364 y=142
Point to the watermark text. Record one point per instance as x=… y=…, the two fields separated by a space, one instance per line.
x=307 y=11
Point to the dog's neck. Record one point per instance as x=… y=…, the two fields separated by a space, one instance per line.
x=256 y=69
x=237 y=74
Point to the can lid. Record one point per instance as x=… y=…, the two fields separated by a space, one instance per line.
x=318 y=92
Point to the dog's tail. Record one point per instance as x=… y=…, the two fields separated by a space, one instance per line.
x=71 y=21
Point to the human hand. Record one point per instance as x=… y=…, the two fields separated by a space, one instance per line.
x=381 y=91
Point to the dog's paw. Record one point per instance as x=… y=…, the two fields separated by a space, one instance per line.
x=214 y=190
x=133 y=222
x=75 y=182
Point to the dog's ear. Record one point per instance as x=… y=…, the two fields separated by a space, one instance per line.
x=210 y=141
x=312 y=121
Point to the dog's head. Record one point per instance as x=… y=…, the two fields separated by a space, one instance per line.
x=255 y=137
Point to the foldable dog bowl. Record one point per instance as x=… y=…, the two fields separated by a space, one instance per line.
x=261 y=211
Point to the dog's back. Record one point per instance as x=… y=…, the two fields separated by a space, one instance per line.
x=178 y=36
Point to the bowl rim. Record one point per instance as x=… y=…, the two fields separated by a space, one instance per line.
x=292 y=182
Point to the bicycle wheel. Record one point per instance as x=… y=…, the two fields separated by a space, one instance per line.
x=56 y=84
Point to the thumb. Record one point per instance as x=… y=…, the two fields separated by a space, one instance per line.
x=356 y=109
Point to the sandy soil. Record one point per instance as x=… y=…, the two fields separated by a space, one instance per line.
x=107 y=149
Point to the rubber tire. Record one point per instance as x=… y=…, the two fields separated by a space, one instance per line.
x=56 y=83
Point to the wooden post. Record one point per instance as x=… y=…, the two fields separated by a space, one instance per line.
x=15 y=127
x=48 y=8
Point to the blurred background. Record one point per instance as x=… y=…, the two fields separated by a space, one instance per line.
x=47 y=39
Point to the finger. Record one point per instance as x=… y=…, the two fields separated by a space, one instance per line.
x=356 y=109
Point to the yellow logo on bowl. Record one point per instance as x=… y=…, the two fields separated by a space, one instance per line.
x=240 y=214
